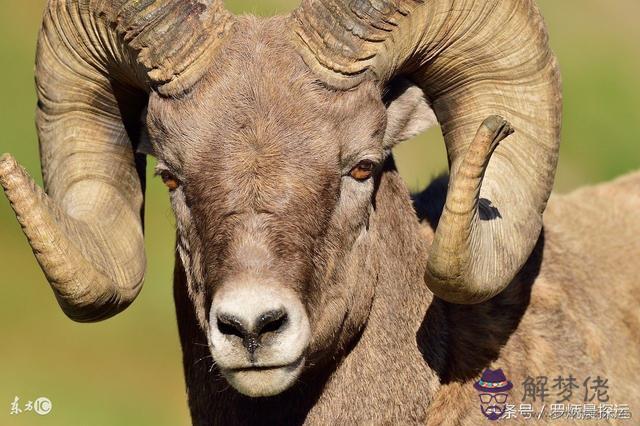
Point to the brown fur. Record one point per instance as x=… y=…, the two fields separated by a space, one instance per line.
x=264 y=156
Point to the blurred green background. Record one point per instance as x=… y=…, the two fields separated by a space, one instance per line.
x=127 y=371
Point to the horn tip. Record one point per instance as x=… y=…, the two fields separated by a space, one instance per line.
x=7 y=161
x=8 y=166
x=499 y=127
x=12 y=174
x=494 y=122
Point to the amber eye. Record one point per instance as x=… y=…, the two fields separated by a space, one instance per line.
x=169 y=180
x=363 y=170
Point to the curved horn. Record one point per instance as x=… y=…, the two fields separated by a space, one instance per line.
x=473 y=59
x=97 y=60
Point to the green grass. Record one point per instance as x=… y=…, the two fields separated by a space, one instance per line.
x=128 y=369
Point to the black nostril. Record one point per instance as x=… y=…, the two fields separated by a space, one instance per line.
x=271 y=321
x=231 y=326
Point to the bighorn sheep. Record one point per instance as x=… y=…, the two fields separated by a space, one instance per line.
x=320 y=294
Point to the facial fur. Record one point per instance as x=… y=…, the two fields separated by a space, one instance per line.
x=267 y=211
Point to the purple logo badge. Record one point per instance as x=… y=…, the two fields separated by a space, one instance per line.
x=493 y=388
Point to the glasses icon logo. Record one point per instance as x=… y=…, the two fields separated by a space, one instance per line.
x=500 y=398
x=493 y=388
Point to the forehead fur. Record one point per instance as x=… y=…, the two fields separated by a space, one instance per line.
x=260 y=97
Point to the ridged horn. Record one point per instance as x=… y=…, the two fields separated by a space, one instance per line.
x=97 y=61
x=473 y=59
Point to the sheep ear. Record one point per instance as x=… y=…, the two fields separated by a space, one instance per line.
x=408 y=112
x=144 y=145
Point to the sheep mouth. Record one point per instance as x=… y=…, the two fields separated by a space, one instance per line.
x=262 y=381
x=257 y=368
